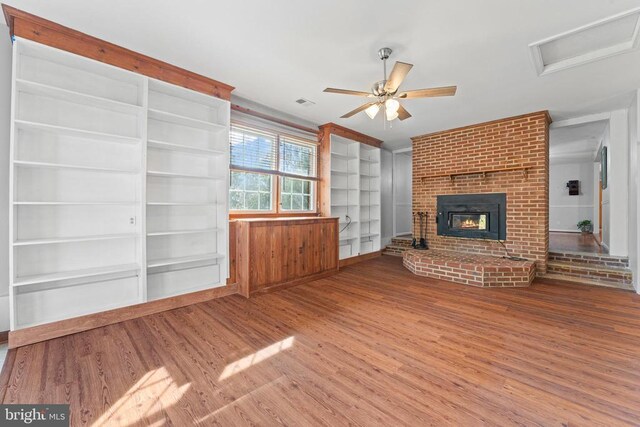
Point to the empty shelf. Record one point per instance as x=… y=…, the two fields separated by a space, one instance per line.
x=178 y=232
x=97 y=203
x=100 y=136
x=184 y=120
x=343 y=156
x=161 y=145
x=24 y=163
x=368 y=235
x=181 y=175
x=210 y=204
x=54 y=240
x=184 y=260
x=41 y=89
x=346 y=239
x=75 y=274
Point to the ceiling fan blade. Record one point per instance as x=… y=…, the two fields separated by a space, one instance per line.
x=357 y=110
x=403 y=113
x=347 y=92
x=399 y=72
x=432 y=92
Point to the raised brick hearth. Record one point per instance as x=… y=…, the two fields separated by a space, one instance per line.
x=508 y=156
x=469 y=269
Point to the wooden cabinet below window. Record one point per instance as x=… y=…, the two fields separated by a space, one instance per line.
x=276 y=252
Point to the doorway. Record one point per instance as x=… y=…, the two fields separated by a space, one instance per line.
x=575 y=187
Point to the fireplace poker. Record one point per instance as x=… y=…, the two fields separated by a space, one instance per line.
x=423 y=243
x=414 y=243
x=423 y=237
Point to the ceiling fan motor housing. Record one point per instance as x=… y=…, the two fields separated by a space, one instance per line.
x=378 y=88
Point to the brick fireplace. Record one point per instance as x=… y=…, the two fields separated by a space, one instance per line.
x=507 y=156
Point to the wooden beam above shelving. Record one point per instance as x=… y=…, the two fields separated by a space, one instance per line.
x=32 y=27
x=344 y=132
x=453 y=175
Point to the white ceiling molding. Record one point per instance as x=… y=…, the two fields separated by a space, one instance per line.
x=402 y=150
x=575 y=157
x=592 y=42
x=575 y=121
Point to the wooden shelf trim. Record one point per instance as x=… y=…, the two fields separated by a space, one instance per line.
x=452 y=175
x=344 y=132
x=32 y=27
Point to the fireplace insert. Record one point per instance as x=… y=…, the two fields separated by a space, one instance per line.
x=475 y=216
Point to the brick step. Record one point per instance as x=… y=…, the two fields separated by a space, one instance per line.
x=590 y=272
x=395 y=250
x=584 y=281
x=401 y=241
x=603 y=260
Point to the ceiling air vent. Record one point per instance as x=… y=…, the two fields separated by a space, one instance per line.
x=305 y=102
x=601 y=39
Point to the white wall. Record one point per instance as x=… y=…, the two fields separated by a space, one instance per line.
x=615 y=197
x=402 y=180
x=606 y=220
x=566 y=211
x=5 y=116
x=386 y=196
x=634 y=188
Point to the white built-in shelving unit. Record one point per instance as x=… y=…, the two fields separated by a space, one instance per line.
x=187 y=182
x=369 y=199
x=118 y=187
x=355 y=195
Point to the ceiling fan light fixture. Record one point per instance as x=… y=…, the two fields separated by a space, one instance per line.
x=372 y=111
x=391 y=105
x=391 y=115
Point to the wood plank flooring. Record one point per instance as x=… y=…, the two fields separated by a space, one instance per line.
x=372 y=345
x=575 y=242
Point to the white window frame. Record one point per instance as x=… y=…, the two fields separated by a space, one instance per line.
x=277 y=177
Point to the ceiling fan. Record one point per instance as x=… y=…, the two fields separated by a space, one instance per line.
x=386 y=92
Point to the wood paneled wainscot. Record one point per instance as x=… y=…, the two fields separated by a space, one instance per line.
x=278 y=252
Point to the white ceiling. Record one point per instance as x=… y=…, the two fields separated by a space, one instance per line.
x=277 y=51
x=576 y=142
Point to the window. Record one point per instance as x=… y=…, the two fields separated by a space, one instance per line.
x=271 y=172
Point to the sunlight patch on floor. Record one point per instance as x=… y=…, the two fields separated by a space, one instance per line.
x=152 y=394
x=255 y=358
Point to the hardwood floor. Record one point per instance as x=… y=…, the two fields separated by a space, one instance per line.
x=574 y=242
x=372 y=345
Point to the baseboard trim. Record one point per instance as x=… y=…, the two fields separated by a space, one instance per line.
x=291 y=283
x=359 y=258
x=61 y=328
